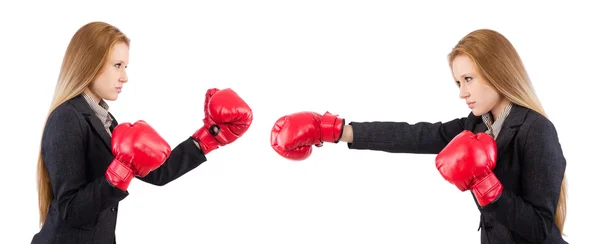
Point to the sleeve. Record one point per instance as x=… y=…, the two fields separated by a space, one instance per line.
x=402 y=137
x=184 y=158
x=79 y=199
x=531 y=214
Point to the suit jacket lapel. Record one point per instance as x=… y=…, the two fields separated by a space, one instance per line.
x=475 y=124
x=510 y=126
x=114 y=122
x=83 y=107
x=481 y=127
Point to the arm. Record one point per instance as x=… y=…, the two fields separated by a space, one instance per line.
x=294 y=135
x=402 y=137
x=227 y=118
x=531 y=215
x=184 y=158
x=78 y=199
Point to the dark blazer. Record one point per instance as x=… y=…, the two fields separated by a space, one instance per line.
x=76 y=150
x=530 y=165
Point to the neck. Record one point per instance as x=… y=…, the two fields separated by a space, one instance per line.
x=92 y=95
x=497 y=110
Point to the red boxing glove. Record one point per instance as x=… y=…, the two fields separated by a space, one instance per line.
x=293 y=136
x=138 y=150
x=468 y=162
x=227 y=118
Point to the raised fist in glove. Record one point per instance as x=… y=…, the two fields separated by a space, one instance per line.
x=138 y=150
x=226 y=118
x=468 y=162
x=294 y=135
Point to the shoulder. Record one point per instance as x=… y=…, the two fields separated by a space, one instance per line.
x=537 y=132
x=64 y=120
x=64 y=114
x=536 y=124
x=539 y=144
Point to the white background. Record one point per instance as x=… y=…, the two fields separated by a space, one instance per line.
x=283 y=57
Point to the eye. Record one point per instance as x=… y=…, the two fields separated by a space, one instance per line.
x=468 y=78
x=457 y=83
x=118 y=65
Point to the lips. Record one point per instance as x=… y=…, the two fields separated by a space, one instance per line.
x=470 y=104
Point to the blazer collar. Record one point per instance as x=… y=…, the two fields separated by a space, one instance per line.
x=509 y=127
x=84 y=108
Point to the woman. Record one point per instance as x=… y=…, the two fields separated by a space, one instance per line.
x=526 y=203
x=87 y=159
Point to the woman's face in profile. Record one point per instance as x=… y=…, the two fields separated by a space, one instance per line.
x=110 y=80
x=474 y=89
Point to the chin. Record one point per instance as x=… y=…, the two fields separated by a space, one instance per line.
x=477 y=112
x=111 y=98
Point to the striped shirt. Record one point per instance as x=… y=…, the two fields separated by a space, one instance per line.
x=101 y=111
x=494 y=127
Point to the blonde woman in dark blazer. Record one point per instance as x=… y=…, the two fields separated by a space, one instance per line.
x=524 y=200
x=79 y=185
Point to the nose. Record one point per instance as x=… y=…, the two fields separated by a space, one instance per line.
x=463 y=93
x=123 y=77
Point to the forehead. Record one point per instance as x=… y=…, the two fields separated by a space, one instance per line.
x=461 y=65
x=120 y=51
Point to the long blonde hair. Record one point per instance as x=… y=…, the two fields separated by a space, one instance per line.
x=500 y=64
x=84 y=58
